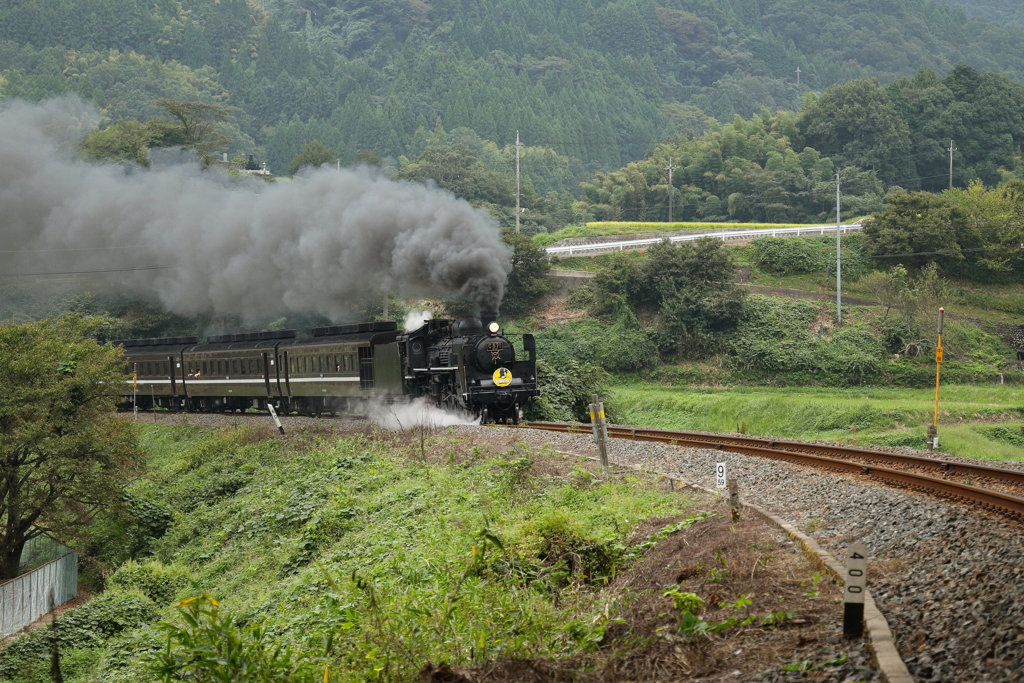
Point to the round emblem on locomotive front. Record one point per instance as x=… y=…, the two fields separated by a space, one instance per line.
x=502 y=377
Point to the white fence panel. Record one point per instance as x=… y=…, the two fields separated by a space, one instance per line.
x=33 y=594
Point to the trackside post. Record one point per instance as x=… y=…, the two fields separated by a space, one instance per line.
x=600 y=428
x=273 y=413
x=933 y=430
x=853 y=594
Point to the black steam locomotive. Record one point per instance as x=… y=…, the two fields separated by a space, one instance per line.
x=466 y=365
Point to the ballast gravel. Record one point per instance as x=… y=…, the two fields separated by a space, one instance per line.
x=949 y=580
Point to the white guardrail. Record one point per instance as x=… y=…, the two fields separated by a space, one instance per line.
x=724 y=235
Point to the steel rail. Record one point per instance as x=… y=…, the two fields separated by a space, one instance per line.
x=1013 y=478
x=995 y=501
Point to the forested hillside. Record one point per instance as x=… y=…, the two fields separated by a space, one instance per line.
x=599 y=82
x=1003 y=11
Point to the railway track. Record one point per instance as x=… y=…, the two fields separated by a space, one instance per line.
x=990 y=488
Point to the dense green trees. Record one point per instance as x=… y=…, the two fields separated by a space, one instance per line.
x=193 y=126
x=314 y=154
x=64 y=454
x=858 y=124
x=746 y=170
x=528 y=281
x=598 y=82
x=903 y=131
x=688 y=289
x=975 y=232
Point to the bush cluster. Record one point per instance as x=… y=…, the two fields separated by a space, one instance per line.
x=88 y=626
x=796 y=255
x=159 y=582
x=777 y=337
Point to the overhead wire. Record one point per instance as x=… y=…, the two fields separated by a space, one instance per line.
x=88 y=272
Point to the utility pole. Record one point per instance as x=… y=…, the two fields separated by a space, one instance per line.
x=671 y=189
x=798 y=75
x=518 y=145
x=839 y=271
x=386 y=305
x=951 y=150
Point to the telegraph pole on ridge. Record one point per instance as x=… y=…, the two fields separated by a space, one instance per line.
x=518 y=145
x=951 y=150
x=671 y=189
x=839 y=272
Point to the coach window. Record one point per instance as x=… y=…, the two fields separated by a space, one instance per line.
x=220 y=367
x=204 y=367
x=320 y=362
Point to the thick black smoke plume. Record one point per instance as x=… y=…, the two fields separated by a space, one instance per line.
x=319 y=245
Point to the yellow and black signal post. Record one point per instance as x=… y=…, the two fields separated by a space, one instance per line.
x=933 y=430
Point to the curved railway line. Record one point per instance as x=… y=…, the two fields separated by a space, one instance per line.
x=994 y=489
x=950 y=480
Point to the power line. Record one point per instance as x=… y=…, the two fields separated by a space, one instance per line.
x=26 y=251
x=88 y=272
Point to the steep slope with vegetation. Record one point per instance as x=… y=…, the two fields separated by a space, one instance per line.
x=375 y=556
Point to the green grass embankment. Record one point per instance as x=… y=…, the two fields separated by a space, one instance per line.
x=974 y=421
x=403 y=554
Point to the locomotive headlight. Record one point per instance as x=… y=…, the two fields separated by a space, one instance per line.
x=493 y=328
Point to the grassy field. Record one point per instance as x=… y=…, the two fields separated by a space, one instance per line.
x=982 y=422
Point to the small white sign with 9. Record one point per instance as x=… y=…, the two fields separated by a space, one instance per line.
x=720 y=480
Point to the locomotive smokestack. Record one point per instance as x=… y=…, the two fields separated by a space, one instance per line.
x=202 y=242
x=488 y=317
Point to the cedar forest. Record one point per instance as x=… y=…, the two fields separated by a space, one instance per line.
x=439 y=90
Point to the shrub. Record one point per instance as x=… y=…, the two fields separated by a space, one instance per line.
x=565 y=392
x=213 y=646
x=88 y=626
x=626 y=347
x=793 y=255
x=1005 y=434
x=776 y=337
x=685 y=602
x=157 y=581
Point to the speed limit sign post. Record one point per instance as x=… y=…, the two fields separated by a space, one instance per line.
x=856 y=585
